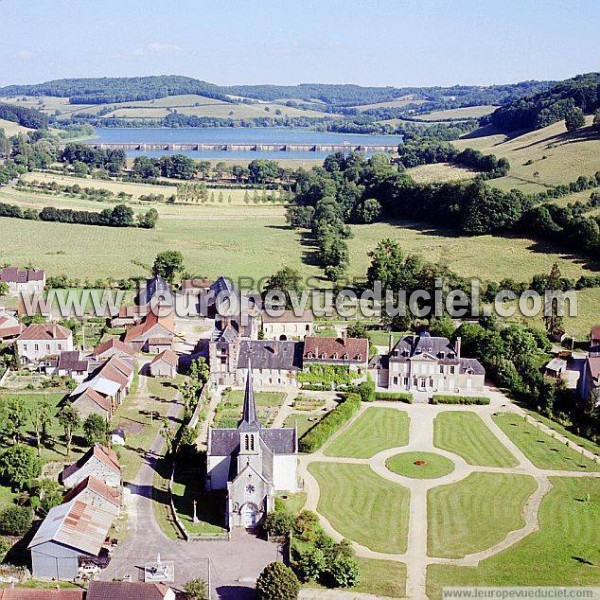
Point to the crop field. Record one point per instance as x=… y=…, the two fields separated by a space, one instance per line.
x=465 y=434
x=548 y=156
x=564 y=552
x=375 y=430
x=476 y=513
x=468 y=112
x=349 y=492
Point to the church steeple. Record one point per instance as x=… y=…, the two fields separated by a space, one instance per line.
x=249 y=418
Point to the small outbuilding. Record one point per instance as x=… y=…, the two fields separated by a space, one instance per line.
x=100 y=462
x=164 y=364
x=556 y=367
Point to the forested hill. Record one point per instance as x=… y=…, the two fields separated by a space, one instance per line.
x=117 y=89
x=127 y=89
x=543 y=108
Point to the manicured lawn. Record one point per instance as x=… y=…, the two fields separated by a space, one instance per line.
x=564 y=552
x=363 y=506
x=293 y=503
x=465 y=434
x=302 y=422
x=476 y=513
x=542 y=450
x=261 y=398
x=375 y=430
x=420 y=465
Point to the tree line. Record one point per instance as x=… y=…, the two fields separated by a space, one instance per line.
x=27 y=117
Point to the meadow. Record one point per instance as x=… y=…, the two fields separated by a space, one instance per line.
x=468 y=112
x=564 y=552
x=11 y=128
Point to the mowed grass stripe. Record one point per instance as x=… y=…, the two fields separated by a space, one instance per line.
x=375 y=430
x=465 y=434
x=564 y=552
x=363 y=506
x=476 y=513
x=541 y=449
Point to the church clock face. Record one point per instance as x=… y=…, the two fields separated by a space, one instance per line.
x=250 y=489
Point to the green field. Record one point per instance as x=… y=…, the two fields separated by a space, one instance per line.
x=542 y=450
x=420 y=465
x=476 y=513
x=468 y=112
x=363 y=506
x=11 y=128
x=375 y=430
x=440 y=172
x=564 y=552
x=465 y=434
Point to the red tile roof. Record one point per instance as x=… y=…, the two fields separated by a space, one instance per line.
x=33 y=594
x=330 y=348
x=140 y=331
x=103 y=402
x=121 y=590
x=98 y=487
x=595 y=333
x=116 y=370
x=196 y=284
x=45 y=331
x=113 y=344
x=167 y=356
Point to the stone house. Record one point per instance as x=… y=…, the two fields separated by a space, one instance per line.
x=288 y=325
x=112 y=347
x=164 y=365
x=352 y=353
x=252 y=463
x=96 y=493
x=41 y=341
x=21 y=281
x=10 y=327
x=100 y=462
x=91 y=402
x=153 y=335
x=70 y=363
x=431 y=364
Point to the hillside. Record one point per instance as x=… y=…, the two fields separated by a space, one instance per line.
x=12 y=128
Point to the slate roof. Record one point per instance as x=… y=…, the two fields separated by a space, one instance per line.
x=75 y=524
x=416 y=345
x=325 y=348
x=71 y=360
x=225 y=442
x=379 y=361
x=98 y=487
x=122 y=590
x=15 y=275
x=222 y=284
x=156 y=288
x=45 y=332
x=473 y=364
x=270 y=354
x=289 y=316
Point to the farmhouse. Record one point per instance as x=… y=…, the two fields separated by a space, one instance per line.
x=95 y=492
x=164 y=364
x=40 y=341
x=251 y=463
x=70 y=363
x=20 y=281
x=123 y=590
x=154 y=334
x=288 y=325
x=100 y=462
x=194 y=287
x=91 y=402
x=429 y=364
x=112 y=347
x=70 y=532
x=352 y=353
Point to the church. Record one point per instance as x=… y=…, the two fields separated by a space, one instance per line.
x=252 y=463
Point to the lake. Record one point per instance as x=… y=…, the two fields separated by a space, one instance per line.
x=236 y=135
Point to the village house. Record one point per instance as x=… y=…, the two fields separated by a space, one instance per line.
x=91 y=402
x=10 y=327
x=70 y=363
x=352 y=353
x=123 y=590
x=96 y=493
x=288 y=325
x=430 y=364
x=164 y=364
x=21 y=281
x=251 y=462
x=111 y=379
x=112 y=347
x=40 y=341
x=128 y=316
x=194 y=287
x=70 y=532
x=153 y=335
x=100 y=462
x=556 y=367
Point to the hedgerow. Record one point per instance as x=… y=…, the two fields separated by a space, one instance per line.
x=446 y=399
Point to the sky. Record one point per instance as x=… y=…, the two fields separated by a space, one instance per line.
x=367 y=42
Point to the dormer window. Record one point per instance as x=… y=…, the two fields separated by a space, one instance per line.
x=359 y=357
x=310 y=355
x=451 y=355
x=323 y=355
x=345 y=357
x=442 y=355
x=334 y=356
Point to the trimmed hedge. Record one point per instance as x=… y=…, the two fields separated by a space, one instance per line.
x=446 y=399
x=322 y=431
x=394 y=396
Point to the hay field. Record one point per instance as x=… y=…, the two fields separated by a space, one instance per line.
x=440 y=172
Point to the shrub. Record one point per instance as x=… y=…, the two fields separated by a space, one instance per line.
x=18 y=465
x=394 y=396
x=277 y=582
x=307 y=526
x=323 y=430
x=5 y=546
x=448 y=399
x=16 y=520
x=279 y=522
x=310 y=563
x=367 y=390
x=344 y=571
x=196 y=589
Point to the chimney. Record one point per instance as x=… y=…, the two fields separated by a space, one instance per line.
x=391 y=342
x=54 y=330
x=457 y=346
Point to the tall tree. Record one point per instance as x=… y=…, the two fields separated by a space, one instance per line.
x=168 y=264
x=41 y=417
x=68 y=417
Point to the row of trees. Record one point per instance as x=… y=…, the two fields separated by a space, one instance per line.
x=111 y=160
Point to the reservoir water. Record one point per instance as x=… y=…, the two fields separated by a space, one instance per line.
x=236 y=135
